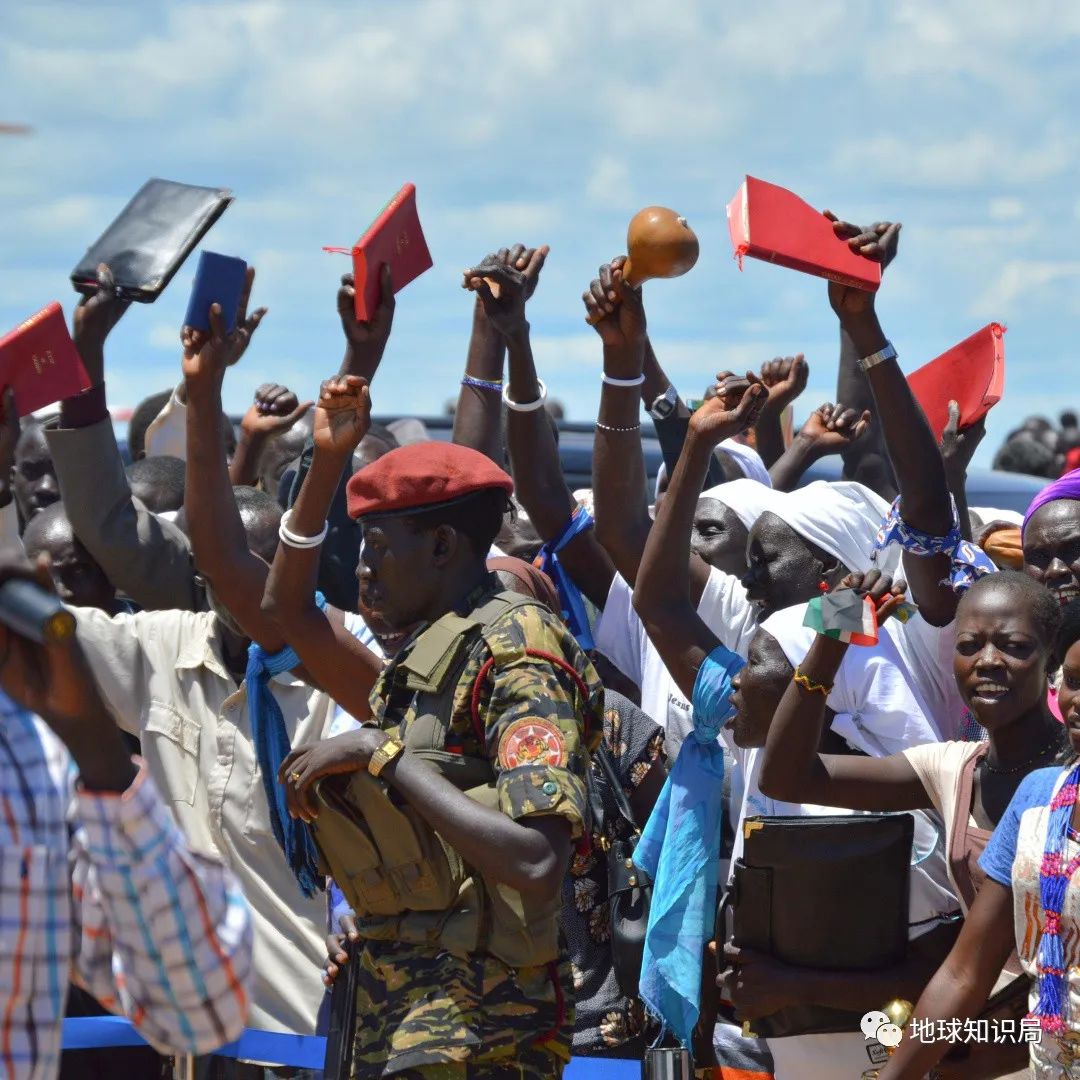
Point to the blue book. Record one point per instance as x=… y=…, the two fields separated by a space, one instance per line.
x=219 y=279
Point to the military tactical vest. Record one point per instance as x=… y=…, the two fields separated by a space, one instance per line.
x=403 y=881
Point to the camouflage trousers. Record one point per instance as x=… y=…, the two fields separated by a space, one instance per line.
x=423 y=1014
x=531 y=1063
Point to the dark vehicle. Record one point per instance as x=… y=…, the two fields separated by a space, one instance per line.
x=986 y=487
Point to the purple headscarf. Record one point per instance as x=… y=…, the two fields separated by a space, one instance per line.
x=1065 y=487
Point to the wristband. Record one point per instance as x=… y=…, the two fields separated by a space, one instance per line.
x=528 y=406
x=609 y=427
x=610 y=380
x=494 y=385
x=294 y=540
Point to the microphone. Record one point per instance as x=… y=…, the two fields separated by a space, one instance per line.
x=32 y=613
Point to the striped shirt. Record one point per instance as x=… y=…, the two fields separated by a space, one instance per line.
x=102 y=889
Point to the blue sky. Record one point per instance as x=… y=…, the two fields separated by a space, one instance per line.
x=553 y=123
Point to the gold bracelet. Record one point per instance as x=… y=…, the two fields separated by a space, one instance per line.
x=803 y=680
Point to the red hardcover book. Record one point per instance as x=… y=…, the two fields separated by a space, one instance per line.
x=771 y=223
x=395 y=237
x=39 y=361
x=972 y=374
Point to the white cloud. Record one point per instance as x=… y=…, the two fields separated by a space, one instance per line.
x=1005 y=208
x=1018 y=279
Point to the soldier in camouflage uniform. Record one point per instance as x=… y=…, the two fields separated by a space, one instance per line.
x=478 y=733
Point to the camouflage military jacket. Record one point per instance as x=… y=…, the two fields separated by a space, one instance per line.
x=416 y=1005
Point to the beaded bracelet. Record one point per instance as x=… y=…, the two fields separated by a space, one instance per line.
x=494 y=385
x=528 y=406
x=804 y=681
x=295 y=540
x=608 y=427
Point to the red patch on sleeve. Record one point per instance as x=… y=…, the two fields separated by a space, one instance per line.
x=532 y=742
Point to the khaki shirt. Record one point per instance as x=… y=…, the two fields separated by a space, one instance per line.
x=163 y=674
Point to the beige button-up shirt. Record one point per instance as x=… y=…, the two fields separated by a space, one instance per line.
x=164 y=676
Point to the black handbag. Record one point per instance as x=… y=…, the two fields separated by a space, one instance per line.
x=827 y=893
x=629 y=889
x=150 y=239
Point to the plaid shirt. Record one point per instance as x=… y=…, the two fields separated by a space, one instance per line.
x=102 y=889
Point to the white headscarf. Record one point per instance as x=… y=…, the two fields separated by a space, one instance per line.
x=841 y=518
x=748 y=459
x=747 y=499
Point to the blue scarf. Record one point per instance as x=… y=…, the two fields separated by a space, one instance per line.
x=678 y=849
x=272 y=745
x=570 y=599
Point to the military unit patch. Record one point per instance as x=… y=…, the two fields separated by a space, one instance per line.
x=532 y=742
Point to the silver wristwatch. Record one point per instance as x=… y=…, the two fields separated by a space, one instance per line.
x=665 y=404
x=888 y=353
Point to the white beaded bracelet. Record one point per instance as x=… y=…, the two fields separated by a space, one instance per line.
x=610 y=380
x=294 y=540
x=528 y=406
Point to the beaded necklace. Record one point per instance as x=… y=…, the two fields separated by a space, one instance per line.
x=1054 y=876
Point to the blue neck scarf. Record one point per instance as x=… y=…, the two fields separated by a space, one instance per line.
x=678 y=850
x=272 y=744
x=570 y=598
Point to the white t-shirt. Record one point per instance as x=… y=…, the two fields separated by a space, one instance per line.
x=622 y=638
x=342 y=721
x=887 y=697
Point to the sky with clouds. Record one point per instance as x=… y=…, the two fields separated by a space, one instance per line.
x=553 y=123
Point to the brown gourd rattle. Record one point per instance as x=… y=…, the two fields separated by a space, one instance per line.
x=659 y=244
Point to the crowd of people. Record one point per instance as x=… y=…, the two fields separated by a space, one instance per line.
x=351 y=715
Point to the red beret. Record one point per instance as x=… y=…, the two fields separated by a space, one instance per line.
x=420 y=475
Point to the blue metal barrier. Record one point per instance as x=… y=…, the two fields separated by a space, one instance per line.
x=299 y=1051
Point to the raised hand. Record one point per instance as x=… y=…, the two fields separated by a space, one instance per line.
x=737 y=404
x=879 y=243
x=343 y=414
x=208 y=353
x=888 y=595
x=504 y=282
x=96 y=315
x=785 y=379
x=832 y=429
x=367 y=340
x=616 y=312
x=274 y=411
x=958 y=447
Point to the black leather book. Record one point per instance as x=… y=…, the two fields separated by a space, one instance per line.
x=151 y=238
x=828 y=893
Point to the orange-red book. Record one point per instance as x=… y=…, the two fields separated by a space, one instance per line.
x=39 y=361
x=395 y=237
x=769 y=222
x=972 y=374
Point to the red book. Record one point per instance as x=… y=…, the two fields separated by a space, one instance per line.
x=395 y=237
x=972 y=374
x=39 y=361
x=771 y=223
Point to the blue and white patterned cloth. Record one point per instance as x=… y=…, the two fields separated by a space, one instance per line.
x=969 y=562
x=105 y=887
